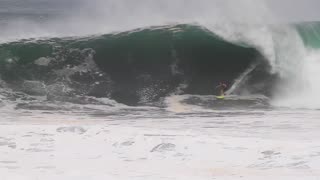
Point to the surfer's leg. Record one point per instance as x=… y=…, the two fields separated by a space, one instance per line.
x=221 y=92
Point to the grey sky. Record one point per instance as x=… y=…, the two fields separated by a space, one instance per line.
x=296 y=10
x=54 y=18
x=287 y=10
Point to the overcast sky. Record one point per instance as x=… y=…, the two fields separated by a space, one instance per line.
x=296 y=9
x=44 y=18
x=287 y=10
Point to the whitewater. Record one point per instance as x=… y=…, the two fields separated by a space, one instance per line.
x=127 y=90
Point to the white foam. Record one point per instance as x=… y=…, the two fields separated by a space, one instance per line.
x=304 y=91
x=174 y=104
x=51 y=147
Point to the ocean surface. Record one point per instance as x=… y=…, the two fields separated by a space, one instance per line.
x=123 y=90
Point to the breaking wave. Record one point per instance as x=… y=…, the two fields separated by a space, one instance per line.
x=148 y=64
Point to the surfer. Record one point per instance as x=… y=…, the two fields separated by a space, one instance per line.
x=222 y=87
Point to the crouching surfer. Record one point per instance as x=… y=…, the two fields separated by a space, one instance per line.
x=222 y=88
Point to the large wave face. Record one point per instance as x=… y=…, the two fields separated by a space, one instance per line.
x=139 y=66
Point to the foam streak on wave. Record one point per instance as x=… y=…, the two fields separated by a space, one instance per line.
x=240 y=79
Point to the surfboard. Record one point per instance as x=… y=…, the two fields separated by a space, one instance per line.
x=220 y=97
